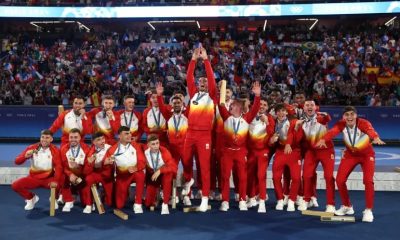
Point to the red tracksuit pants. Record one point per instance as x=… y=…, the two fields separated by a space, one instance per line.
x=122 y=185
x=257 y=165
x=23 y=185
x=311 y=160
x=293 y=162
x=200 y=142
x=347 y=165
x=165 y=181
x=95 y=178
x=230 y=159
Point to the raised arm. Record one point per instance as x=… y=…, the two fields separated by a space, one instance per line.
x=190 y=74
x=212 y=87
x=58 y=123
x=166 y=113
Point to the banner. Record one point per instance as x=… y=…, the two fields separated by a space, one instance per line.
x=310 y=9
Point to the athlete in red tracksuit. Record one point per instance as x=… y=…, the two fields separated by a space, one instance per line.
x=200 y=122
x=260 y=130
x=153 y=121
x=288 y=154
x=314 y=127
x=73 y=158
x=236 y=128
x=95 y=172
x=177 y=123
x=357 y=133
x=45 y=170
x=130 y=163
x=160 y=170
x=105 y=120
x=130 y=118
x=74 y=118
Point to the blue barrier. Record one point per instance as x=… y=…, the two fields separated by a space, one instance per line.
x=27 y=121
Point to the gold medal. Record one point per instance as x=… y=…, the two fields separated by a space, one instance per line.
x=72 y=159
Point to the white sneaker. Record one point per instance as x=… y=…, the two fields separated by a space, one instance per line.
x=261 y=206
x=368 y=216
x=164 y=209
x=187 y=186
x=330 y=209
x=279 y=205
x=186 y=201
x=314 y=202
x=137 y=208
x=252 y=202
x=303 y=206
x=30 y=204
x=60 y=200
x=299 y=199
x=242 y=206
x=68 y=206
x=343 y=210
x=87 y=209
x=290 y=206
x=199 y=195
x=224 y=206
x=204 y=204
x=285 y=199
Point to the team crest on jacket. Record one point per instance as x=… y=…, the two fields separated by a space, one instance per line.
x=299 y=162
x=332 y=156
x=372 y=159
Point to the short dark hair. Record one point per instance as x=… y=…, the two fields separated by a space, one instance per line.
x=79 y=97
x=279 y=107
x=108 y=97
x=75 y=130
x=152 y=137
x=128 y=96
x=176 y=98
x=300 y=92
x=349 y=109
x=46 y=132
x=123 y=129
x=97 y=135
x=229 y=87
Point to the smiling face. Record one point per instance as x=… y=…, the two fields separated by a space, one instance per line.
x=263 y=107
x=350 y=117
x=309 y=108
x=99 y=142
x=281 y=114
x=74 y=138
x=129 y=104
x=45 y=140
x=177 y=105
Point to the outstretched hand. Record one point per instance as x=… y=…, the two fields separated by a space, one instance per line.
x=196 y=54
x=256 y=88
x=159 y=89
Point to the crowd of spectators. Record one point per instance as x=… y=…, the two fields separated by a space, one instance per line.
x=329 y=65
